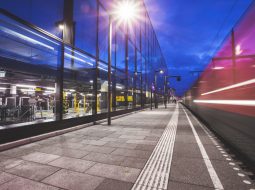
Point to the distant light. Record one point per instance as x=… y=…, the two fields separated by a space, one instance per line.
x=238 y=50
x=231 y=86
x=61 y=26
x=228 y=102
x=91 y=81
x=161 y=72
x=2 y=74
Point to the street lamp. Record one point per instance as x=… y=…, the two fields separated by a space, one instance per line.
x=124 y=12
x=141 y=87
x=178 y=78
x=155 y=86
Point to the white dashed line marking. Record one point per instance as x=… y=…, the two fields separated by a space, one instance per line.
x=240 y=174
x=247 y=182
x=232 y=164
x=214 y=177
x=237 y=169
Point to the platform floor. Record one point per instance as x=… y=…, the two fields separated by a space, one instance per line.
x=158 y=149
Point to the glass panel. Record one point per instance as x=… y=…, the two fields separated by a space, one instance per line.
x=29 y=63
x=85 y=17
x=29 y=9
x=78 y=84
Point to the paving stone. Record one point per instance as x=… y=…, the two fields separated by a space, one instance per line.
x=105 y=150
x=94 y=142
x=73 y=153
x=108 y=139
x=73 y=180
x=70 y=145
x=105 y=158
x=5 y=177
x=132 y=153
x=25 y=184
x=151 y=138
x=10 y=163
x=33 y=171
x=114 y=135
x=110 y=184
x=17 y=152
x=40 y=157
x=114 y=172
x=142 y=142
x=72 y=164
x=134 y=162
x=137 y=137
x=121 y=145
x=145 y=147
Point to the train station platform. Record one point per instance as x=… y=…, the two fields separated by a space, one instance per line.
x=163 y=149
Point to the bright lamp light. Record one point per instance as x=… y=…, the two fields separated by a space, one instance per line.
x=126 y=11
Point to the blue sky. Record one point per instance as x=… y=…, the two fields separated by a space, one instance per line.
x=190 y=31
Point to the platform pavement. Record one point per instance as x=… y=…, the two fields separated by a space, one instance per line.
x=158 y=149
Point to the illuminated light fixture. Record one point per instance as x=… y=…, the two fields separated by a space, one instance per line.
x=71 y=90
x=161 y=72
x=27 y=90
x=126 y=11
x=1 y=88
x=118 y=87
x=61 y=26
x=228 y=102
x=23 y=37
x=50 y=88
x=50 y=92
x=231 y=87
x=89 y=94
x=238 y=50
x=78 y=59
x=25 y=86
x=218 y=68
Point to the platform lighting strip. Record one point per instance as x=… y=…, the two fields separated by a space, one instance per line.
x=231 y=86
x=227 y=102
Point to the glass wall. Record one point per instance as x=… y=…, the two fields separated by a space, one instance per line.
x=56 y=67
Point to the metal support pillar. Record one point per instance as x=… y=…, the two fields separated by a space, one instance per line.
x=96 y=74
x=109 y=70
x=126 y=68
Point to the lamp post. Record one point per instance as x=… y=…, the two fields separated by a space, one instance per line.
x=178 y=78
x=125 y=11
x=141 y=87
x=155 y=86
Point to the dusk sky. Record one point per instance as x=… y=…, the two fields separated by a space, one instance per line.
x=190 y=31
